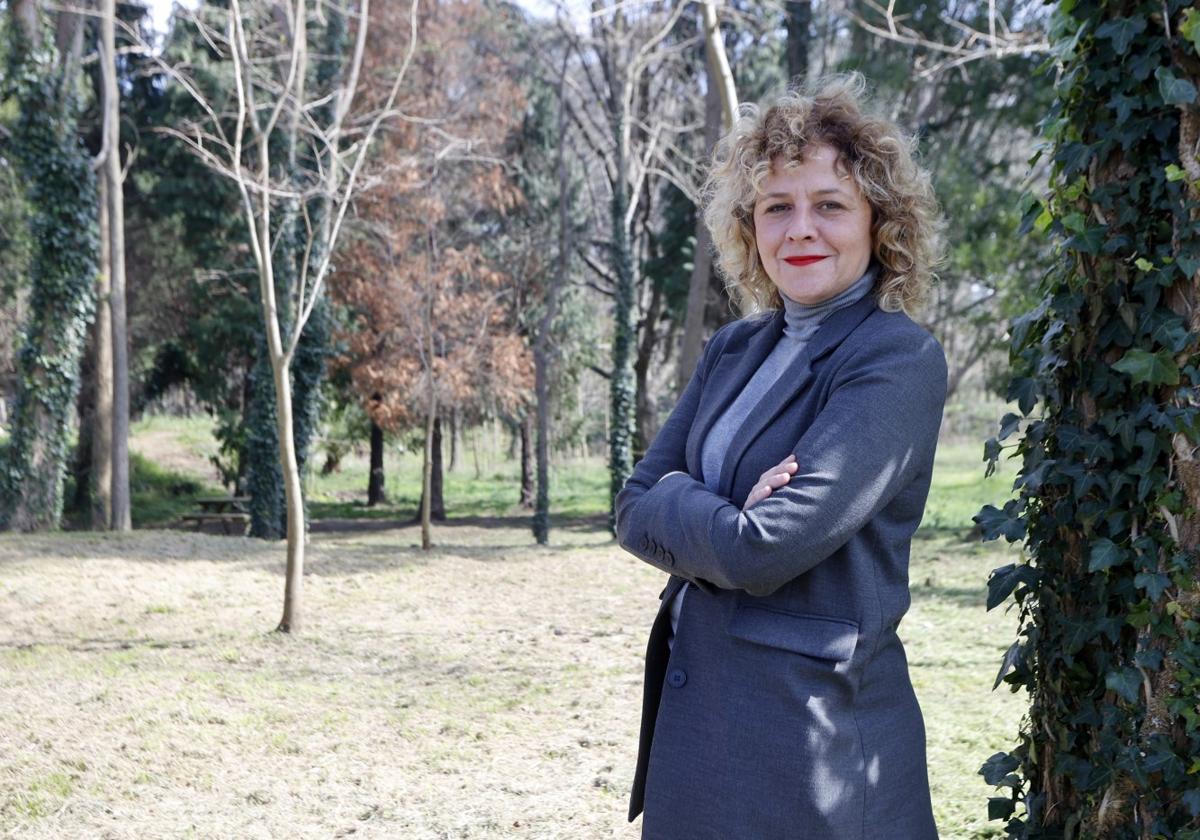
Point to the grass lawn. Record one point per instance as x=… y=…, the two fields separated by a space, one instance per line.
x=489 y=688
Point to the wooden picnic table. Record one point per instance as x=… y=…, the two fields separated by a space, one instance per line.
x=227 y=511
x=223 y=504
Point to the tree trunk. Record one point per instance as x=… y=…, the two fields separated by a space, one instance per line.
x=455 y=431
x=1109 y=489
x=62 y=274
x=526 y=462
x=437 y=508
x=375 y=484
x=647 y=409
x=426 y=508
x=101 y=434
x=698 y=285
x=541 y=346
x=114 y=192
x=622 y=385
x=799 y=24
x=719 y=73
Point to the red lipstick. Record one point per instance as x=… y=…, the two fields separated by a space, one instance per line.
x=802 y=260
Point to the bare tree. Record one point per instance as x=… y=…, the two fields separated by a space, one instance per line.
x=622 y=104
x=252 y=141
x=114 y=428
x=720 y=110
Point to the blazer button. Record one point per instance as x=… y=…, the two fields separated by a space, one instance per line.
x=676 y=678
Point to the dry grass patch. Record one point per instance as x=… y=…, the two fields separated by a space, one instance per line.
x=487 y=689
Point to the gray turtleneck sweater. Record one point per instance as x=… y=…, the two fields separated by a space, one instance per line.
x=800 y=322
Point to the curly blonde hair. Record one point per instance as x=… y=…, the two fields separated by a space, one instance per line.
x=906 y=222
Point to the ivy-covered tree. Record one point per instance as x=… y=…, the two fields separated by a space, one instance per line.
x=60 y=190
x=1105 y=372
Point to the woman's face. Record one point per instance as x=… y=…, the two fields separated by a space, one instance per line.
x=812 y=225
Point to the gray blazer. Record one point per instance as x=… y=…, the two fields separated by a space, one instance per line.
x=784 y=710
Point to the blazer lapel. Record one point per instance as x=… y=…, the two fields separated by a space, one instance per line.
x=726 y=380
x=830 y=334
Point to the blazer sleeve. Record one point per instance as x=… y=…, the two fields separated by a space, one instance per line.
x=666 y=455
x=875 y=434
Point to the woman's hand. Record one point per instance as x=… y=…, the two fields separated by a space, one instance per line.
x=772 y=480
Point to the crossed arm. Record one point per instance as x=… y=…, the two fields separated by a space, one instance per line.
x=872 y=438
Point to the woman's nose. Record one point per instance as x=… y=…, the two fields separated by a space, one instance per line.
x=801 y=226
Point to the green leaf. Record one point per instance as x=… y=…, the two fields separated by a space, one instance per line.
x=1122 y=31
x=1075 y=222
x=1143 y=264
x=1172 y=89
x=1000 y=523
x=999 y=808
x=1153 y=583
x=1174 y=173
x=997 y=767
x=1010 y=659
x=1150 y=368
x=1009 y=423
x=1044 y=220
x=1126 y=682
x=1190 y=28
x=1104 y=554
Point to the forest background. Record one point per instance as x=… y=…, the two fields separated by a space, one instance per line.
x=454 y=262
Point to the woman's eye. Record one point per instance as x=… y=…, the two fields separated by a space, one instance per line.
x=831 y=205
x=776 y=208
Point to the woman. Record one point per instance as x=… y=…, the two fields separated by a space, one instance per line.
x=783 y=492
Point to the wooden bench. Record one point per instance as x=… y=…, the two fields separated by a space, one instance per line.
x=231 y=522
x=227 y=511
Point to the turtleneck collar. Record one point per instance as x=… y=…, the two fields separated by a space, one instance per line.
x=801 y=320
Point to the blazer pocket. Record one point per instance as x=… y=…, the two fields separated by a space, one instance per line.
x=833 y=639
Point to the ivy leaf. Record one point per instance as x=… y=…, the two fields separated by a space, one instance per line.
x=1123 y=105
x=1009 y=423
x=999 y=808
x=1000 y=523
x=1001 y=583
x=1172 y=89
x=1143 y=264
x=1010 y=659
x=1174 y=173
x=1189 y=265
x=1190 y=29
x=1122 y=31
x=1024 y=391
x=1152 y=368
x=1153 y=583
x=997 y=767
x=1104 y=554
x=1191 y=798
x=1127 y=682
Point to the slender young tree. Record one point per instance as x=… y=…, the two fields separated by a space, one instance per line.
x=271 y=93
x=114 y=270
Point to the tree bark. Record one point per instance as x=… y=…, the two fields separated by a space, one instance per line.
x=426 y=509
x=375 y=484
x=62 y=271
x=526 y=462
x=698 y=285
x=114 y=193
x=719 y=73
x=102 y=416
x=799 y=23
x=542 y=348
x=647 y=410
